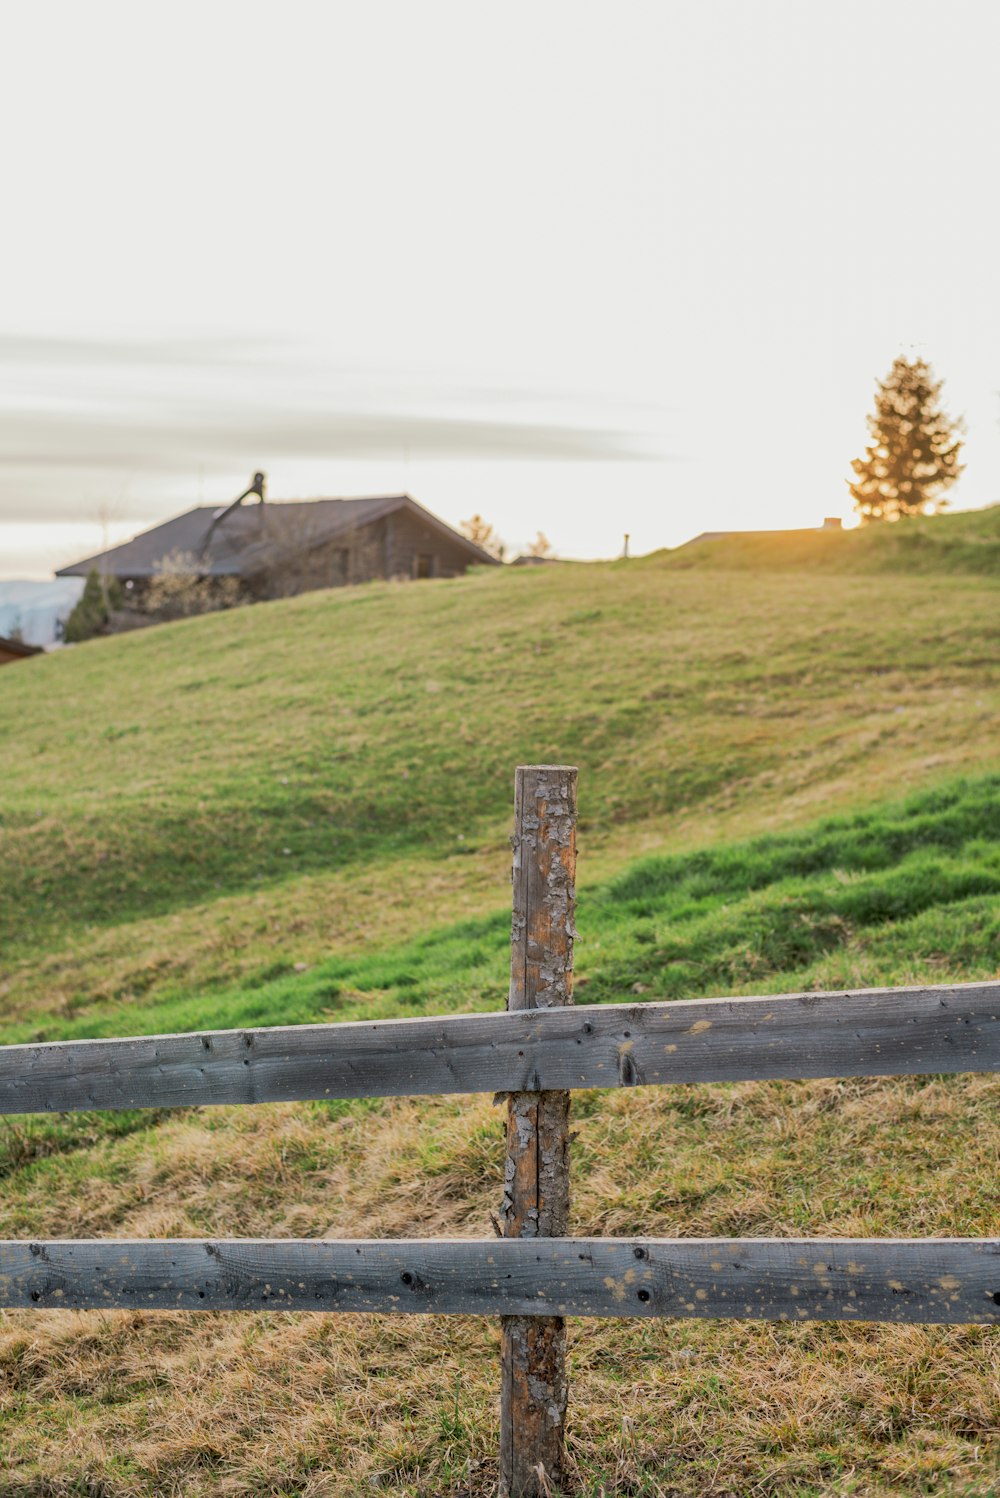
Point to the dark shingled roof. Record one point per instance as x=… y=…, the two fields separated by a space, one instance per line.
x=248 y=538
x=18 y=647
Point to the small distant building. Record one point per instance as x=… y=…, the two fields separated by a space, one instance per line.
x=16 y=650
x=830 y=523
x=278 y=549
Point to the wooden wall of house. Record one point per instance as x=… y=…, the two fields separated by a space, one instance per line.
x=356 y=557
x=398 y=546
x=413 y=544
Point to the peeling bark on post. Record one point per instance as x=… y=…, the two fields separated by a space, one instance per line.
x=536 y=1178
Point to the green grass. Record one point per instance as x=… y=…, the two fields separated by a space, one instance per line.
x=789 y=780
x=204 y=797
x=968 y=542
x=916 y=881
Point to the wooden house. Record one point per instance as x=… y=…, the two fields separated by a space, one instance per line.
x=278 y=549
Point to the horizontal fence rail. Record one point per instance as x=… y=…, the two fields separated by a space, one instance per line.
x=873 y=1032
x=858 y=1279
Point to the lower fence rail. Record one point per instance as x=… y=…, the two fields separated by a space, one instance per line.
x=777 y=1279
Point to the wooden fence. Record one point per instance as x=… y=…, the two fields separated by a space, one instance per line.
x=533 y=1055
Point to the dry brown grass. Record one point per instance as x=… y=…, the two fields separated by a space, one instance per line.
x=252 y=1404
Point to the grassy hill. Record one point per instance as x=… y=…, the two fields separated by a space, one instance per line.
x=298 y=811
x=926 y=544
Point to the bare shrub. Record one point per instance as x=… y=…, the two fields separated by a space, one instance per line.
x=179 y=589
x=481 y=533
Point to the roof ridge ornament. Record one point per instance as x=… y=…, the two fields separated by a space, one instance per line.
x=257 y=486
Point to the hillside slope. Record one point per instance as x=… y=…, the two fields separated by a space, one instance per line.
x=786 y=782
x=201 y=798
x=966 y=542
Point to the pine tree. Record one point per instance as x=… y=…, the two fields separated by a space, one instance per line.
x=90 y=615
x=913 y=455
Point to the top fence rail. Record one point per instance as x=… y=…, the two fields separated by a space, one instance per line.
x=873 y=1032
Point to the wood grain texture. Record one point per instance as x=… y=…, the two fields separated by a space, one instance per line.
x=536 y=1177
x=910 y=1280
x=533 y=1383
x=877 y=1032
x=543 y=879
x=533 y=1386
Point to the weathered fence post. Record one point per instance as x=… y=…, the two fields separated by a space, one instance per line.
x=536 y=1178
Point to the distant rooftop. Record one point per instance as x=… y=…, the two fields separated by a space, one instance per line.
x=830 y=523
x=14 y=647
x=239 y=540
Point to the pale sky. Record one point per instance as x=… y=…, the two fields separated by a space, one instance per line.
x=583 y=267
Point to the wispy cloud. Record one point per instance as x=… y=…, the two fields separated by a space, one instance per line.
x=80 y=416
x=31 y=351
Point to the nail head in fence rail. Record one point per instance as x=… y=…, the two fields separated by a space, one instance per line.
x=875 y=1032
x=533 y=1387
